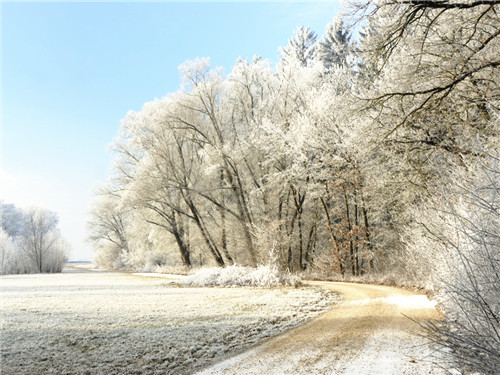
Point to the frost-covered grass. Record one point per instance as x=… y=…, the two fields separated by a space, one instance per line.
x=84 y=322
x=263 y=276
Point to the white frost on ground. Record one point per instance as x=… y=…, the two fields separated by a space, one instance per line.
x=162 y=275
x=389 y=353
x=385 y=353
x=370 y=333
x=82 y=322
x=417 y=301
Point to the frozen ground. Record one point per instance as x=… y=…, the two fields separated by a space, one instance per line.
x=91 y=322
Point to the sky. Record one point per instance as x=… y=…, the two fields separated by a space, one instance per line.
x=71 y=71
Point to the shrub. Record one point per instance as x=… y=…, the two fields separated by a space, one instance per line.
x=263 y=276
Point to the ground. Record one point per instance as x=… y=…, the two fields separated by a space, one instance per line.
x=90 y=322
x=371 y=332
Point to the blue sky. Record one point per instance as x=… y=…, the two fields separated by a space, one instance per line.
x=71 y=72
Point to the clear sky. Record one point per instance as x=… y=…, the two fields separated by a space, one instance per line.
x=71 y=72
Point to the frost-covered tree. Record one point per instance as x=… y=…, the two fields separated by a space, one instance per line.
x=11 y=219
x=164 y=172
x=439 y=72
x=185 y=169
x=429 y=77
x=7 y=253
x=325 y=169
x=275 y=106
x=34 y=245
x=335 y=47
x=301 y=47
x=457 y=237
x=218 y=133
x=108 y=227
x=41 y=240
x=432 y=113
x=234 y=166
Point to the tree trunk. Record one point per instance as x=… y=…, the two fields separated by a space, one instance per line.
x=299 y=204
x=178 y=233
x=223 y=222
x=205 y=234
x=332 y=235
x=311 y=241
x=290 y=234
x=349 y=228
x=244 y=213
x=356 y=239
x=368 y=237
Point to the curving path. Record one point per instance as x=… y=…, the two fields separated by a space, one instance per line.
x=369 y=332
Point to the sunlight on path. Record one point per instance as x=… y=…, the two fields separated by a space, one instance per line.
x=366 y=334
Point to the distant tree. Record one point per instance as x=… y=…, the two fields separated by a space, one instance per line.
x=41 y=240
x=6 y=251
x=30 y=241
x=11 y=219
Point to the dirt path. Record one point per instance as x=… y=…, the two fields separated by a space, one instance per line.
x=367 y=333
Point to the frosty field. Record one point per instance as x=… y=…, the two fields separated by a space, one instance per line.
x=84 y=322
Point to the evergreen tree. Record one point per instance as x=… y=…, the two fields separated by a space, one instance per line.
x=335 y=47
x=301 y=47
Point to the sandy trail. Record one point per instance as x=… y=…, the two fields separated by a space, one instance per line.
x=367 y=333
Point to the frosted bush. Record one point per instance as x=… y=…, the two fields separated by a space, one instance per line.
x=263 y=276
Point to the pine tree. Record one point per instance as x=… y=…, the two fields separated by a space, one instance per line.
x=301 y=47
x=335 y=48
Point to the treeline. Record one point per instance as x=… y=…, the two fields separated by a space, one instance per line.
x=350 y=156
x=233 y=167
x=30 y=241
x=325 y=159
